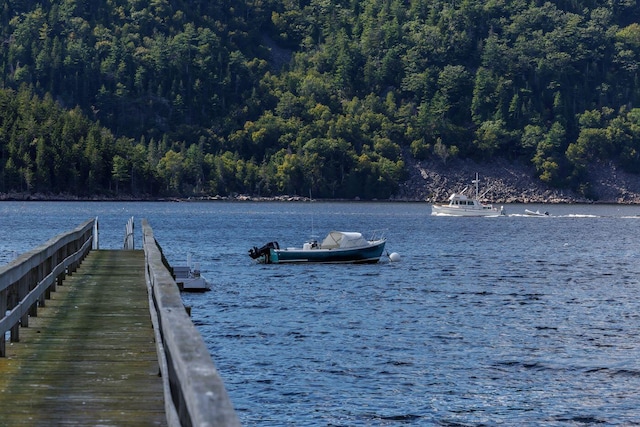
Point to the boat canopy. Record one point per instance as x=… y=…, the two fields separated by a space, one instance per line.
x=343 y=239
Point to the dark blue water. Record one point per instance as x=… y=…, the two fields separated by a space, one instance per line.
x=484 y=321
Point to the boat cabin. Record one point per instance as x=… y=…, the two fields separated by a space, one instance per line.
x=461 y=200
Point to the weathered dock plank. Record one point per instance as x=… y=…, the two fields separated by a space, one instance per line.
x=89 y=357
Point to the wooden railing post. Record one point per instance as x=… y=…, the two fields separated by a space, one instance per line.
x=24 y=288
x=60 y=256
x=96 y=238
x=47 y=268
x=15 y=330
x=3 y=309
x=129 y=243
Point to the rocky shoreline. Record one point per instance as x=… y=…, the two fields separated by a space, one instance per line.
x=500 y=182
x=505 y=182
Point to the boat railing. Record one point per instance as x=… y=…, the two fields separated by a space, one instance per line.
x=378 y=234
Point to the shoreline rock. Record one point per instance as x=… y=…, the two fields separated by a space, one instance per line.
x=505 y=182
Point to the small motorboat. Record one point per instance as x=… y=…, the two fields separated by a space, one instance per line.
x=536 y=213
x=337 y=247
x=188 y=277
x=461 y=205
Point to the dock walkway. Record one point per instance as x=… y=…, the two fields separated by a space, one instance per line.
x=89 y=357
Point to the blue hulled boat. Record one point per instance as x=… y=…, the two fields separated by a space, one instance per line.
x=337 y=247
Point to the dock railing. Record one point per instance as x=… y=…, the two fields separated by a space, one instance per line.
x=194 y=392
x=27 y=281
x=128 y=235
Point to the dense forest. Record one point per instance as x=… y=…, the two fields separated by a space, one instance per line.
x=267 y=97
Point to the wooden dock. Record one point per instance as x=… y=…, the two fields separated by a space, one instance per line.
x=108 y=343
x=89 y=357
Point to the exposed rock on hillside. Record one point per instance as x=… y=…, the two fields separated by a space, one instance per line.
x=504 y=182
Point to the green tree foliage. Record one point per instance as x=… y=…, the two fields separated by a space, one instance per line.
x=169 y=97
x=48 y=149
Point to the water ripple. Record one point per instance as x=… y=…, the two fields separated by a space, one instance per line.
x=504 y=321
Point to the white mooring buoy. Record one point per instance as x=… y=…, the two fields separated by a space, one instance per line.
x=394 y=257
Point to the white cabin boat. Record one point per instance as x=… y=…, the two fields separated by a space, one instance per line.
x=461 y=205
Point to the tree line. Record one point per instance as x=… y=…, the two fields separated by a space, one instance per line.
x=272 y=97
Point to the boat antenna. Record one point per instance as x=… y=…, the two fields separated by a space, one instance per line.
x=476 y=181
x=488 y=189
x=313 y=233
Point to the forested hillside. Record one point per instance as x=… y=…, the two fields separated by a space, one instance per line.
x=267 y=97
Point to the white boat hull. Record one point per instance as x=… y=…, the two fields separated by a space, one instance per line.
x=447 y=210
x=193 y=284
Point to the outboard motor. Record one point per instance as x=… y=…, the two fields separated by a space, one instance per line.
x=265 y=251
